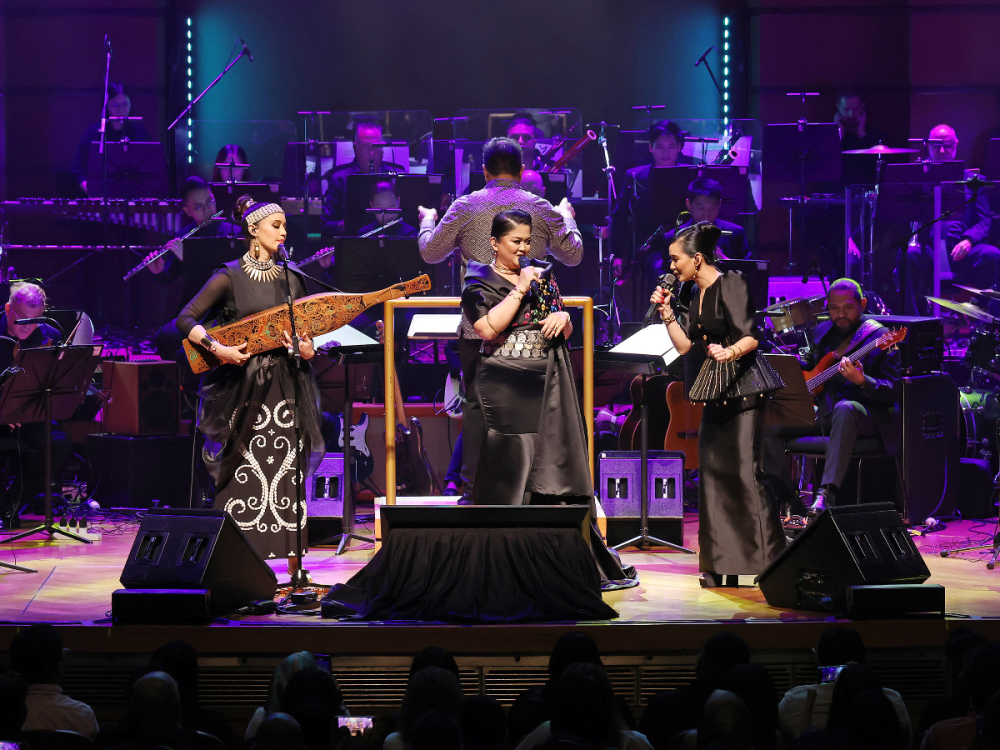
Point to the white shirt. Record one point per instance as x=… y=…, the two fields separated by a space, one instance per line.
x=49 y=709
x=794 y=716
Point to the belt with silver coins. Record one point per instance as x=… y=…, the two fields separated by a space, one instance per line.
x=528 y=344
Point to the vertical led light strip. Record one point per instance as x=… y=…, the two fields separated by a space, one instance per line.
x=725 y=70
x=190 y=92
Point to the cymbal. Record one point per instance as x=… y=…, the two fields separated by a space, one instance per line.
x=963 y=308
x=880 y=149
x=988 y=293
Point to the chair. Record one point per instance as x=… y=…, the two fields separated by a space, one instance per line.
x=869 y=455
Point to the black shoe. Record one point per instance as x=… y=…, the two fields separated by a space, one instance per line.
x=825 y=498
x=733 y=582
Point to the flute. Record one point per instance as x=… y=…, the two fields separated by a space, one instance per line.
x=165 y=250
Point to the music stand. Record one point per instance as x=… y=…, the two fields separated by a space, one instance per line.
x=791 y=406
x=668 y=189
x=802 y=152
x=373 y=263
x=48 y=383
x=136 y=169
x=412 y=190
x=226 y=193
x=347 y=346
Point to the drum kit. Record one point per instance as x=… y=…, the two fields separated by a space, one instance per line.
x=792 y=321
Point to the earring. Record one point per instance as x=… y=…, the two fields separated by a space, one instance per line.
x=256 y=249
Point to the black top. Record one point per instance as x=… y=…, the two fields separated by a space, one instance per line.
x=135 y=131
x=43 y=335
x=231 y=295
x=727 y=314
x=485 y=289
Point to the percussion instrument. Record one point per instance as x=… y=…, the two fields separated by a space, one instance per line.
x=796 y=314
x=964 y=308
x=314 y=315
x=988 y=293
x=983 y=353
x=978 y=427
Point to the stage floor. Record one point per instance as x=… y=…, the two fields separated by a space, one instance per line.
x=74 y=581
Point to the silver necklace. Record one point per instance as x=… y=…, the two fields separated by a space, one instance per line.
x=258 y=271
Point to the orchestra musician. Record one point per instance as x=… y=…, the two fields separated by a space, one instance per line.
x=704 y=200
x=532 y=182
x=860 y=401
x=368 y=159
x=467 y=225
x=27 y=300
x=739 y=529
x=231 y=153
x=523 y=129
x=245 y=404
x=973 y=261
x=119 y=106
x=852 y=119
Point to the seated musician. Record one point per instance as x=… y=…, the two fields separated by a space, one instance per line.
x=972 y=260
x=523 y=129
x=368 y=159
x=198 y=204
x=704 y=199
x=859 y=401
x=231 y=153
x=119 y=105
x=853 y=121
x=383 y=196
x=631 y=214
x=532 y=182
x=27 y=300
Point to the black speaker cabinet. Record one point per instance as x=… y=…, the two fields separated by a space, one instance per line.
x=922 y=351
x=846 y=546
x=144 y=398
x=132 y=472
x=198 y=549
x=930 y=455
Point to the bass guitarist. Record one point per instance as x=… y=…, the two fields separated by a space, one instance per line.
x=860 y=401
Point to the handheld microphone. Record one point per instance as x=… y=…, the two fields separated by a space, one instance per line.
x=702 y=58
x=666 y=281
x=524 y=261
x=246 y=49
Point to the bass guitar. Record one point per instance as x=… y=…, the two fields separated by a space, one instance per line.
x=414 y=474
x=826 y=368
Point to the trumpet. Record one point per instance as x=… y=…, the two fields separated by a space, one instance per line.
x=570 y=153
x=165 y=250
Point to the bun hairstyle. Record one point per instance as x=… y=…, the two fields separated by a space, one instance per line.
x=700 y=238
x=244 y=205
x=505 y=222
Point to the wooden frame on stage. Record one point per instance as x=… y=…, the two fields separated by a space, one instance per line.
x=445 y=302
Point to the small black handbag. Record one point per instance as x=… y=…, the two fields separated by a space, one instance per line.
x=747 y=376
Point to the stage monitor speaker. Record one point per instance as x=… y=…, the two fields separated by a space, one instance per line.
x=619 y=474
x=922 y=351
x=854 y=545
x=198 y=549
x=325 y=499
x=144 y=398
x=930 y=450
x=133 y=472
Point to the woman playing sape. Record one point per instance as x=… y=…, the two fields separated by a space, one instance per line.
x=739 y=529
x=535 y=451
x=246 y=404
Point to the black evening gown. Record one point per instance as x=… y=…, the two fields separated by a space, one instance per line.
x=245 y=414
x=535 y=450
x=739 y=526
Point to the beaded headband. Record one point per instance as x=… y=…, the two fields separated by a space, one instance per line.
x=265 y=210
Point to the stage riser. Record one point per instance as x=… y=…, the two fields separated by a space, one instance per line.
x=238 y=688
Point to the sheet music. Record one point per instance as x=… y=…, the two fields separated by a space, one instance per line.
x=651 y=341
x=343 y=336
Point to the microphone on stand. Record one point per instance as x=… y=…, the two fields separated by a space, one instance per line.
x=246 y=49
x=283 y=252
x=702 y=58
x=666 y=281
x=107 y=45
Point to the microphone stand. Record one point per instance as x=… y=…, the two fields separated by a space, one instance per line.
x=301 y=576
x=104 y=141
x=218 y=78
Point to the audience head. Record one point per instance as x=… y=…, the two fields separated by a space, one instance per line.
x=430 y=689
x=279 y=731
x=872 y=722
x=753 y=685
x=291 y=665
x=704 y=200
x=13 y=705
x=313 y=698
x=155 y=707
x=665 y=143
x=725 y=723
x=960 y=642
x=585 y=705
x=980 y=676
x=853 y=680
x=574 y=647
x=692 y=247
x=532 y=182
x=26 y=300
x=483 y=723
x=179 y=660
x=989 y=737
x=846 y=302
x=37 y=654
x=435 y=730
x=947 y=149
x=434 y=656
x=231 y=153
x=119 y=104
x=502 y=158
